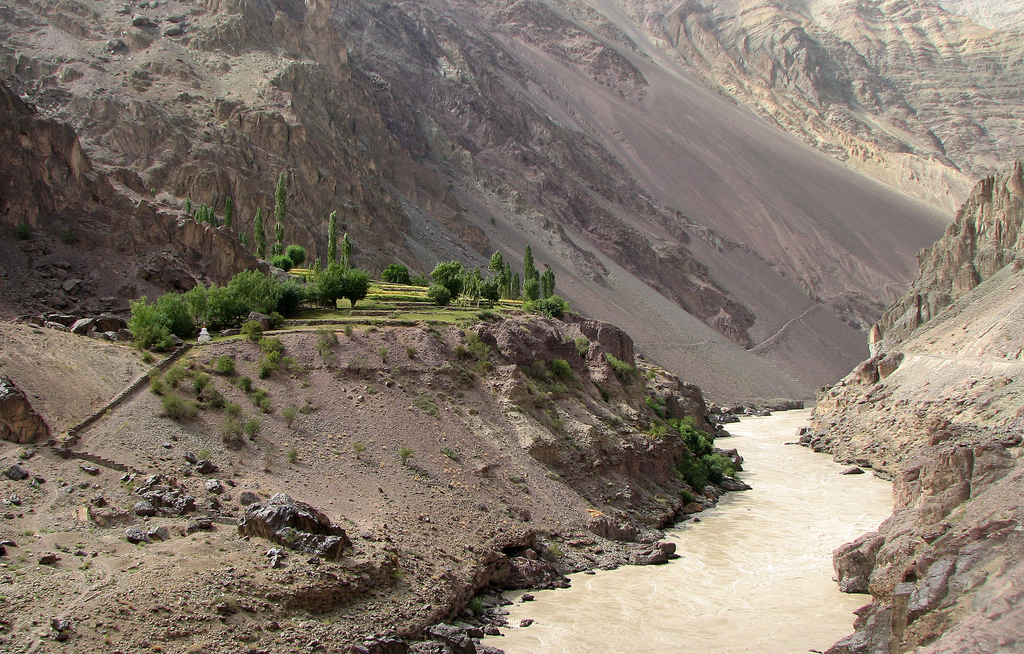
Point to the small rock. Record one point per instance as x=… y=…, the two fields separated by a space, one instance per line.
x=191 y=458
x=14 y=499
x=177 y=30
x=855 y=470
x=525 y=622
x=159 y=533
x=48 y=558
x=142 y=21
x=135 y=535
x=275 y=555
x=731 y=484
x=89 y=470
x=3 y=551
x=199 y=524
x=99 y=501
x=214 y=486
x=492 y=631
x=60 y=624
x=167 y=446
x=245 y=498
x=16 y=473
x=144 y=508
x=205 y=467
x=527 y=597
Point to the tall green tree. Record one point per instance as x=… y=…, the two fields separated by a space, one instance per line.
x=450 y=275
x=346 y=253
x=332 y=237
x=229 y=212
x=529 y=270
x=259 y=235
x=514 y=291
x=278 y=248
x=547 y=283
x=280 y=211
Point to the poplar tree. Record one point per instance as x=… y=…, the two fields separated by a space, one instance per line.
x=280 y=211
x=516 y=285
x=529 y=270
x=547 y=283
x=332 y=237
x=346 y=253
x=259 y=235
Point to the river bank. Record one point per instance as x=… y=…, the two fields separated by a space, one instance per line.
x=755 y=573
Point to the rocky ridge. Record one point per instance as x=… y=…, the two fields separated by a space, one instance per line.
x=938 y=409
x=478 y=468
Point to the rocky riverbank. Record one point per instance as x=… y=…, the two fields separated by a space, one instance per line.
x=939 y=408
x=442 y=462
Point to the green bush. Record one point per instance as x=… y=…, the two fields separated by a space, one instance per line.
x=224 y=365
x=253 y=331
x=200 y=380
x=265 y=368
x=232 y=410
x=289 y=416
x=694 y=472
x=405 y=453
x=296 y=254
x=175 y=313
x=231 y=433
x=282 y=262
x=292 y=295
x=359 y=447
x=147 y=325
x=176 y=374
x=23 y=231
x=251 y=428
x=562 y=369
x=68 y=236
x=622 y=370
x=293 y=454
x=271 y=345
x=582 y=346
x=440 y=295
x=686 y=497
x=212 y=397
x=551 y=307
x=256 y=291
x=396 y=273
x=718 y=466
x=179 y=409
x=410 y=351
x=449 y=274
x=450 y=453
x=245 y=383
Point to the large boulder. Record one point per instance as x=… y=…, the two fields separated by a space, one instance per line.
x=295 y=525
x=605 y=527
x=19 y=422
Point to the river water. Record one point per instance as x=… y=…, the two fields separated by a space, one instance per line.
x=755 y=574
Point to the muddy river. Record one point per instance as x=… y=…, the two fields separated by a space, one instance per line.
x=755 y=574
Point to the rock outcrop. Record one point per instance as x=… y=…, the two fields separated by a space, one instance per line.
x=938 y=409
x=19 y=422
x=295 y=525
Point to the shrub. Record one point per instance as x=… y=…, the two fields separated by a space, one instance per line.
x=179 y=409
x=212 y=397
x=245 y=383
x=176 y=374
x=476 y=605
x=622 y=370
x=693 y=471
x=427 y=405
x=718 y=466
x=440 y=295
x=561 y=368
x=231 y=433
x=450 y=453
x=266 y=368
x=289 y=416
x=251 y=428
x=23 y=231
x=396 y=273
x=699 y=442
x=410 y=352
x=147 y=358
x=359 y=447
x=582 y=346
x=553 y=551
x=419 y=280
x=296 y=254
x=147 y=326
x=383 y=351
x=200 y=380
x=292 y=454
x=68 y=236
x=405 y=453
x=224 y=365
x=348 y=331
x=271 y=345
x=157 y=385
x=276 y=320
x=282 y=262
x=232 y=410
x=686 y=496
x=551 y=307
x=253 y=331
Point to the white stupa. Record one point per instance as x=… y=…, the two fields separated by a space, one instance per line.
x=204 y=336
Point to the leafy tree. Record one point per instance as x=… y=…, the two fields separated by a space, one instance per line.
x=229 y=212
x=292 y=294
x=282 y=262
x=297 y=254
x=259 y=235
x=505 y=282
x=490 y=291
x=529 y=270
x=332 y=237
x=472 y=281
x=278 y=249
x=346 y=252
x=552 y=307
x=146 y=325
x=439 y=294
x=450 y=276
x=222 y=307
x=325 y=286
x=497 y=264
x=188 y=206
x=396 y=273
x=243 y=239
x=176 y=315
x=355 y=286
x=547 y=283
x=513 y=291
x=255 y=291
x=531 y=290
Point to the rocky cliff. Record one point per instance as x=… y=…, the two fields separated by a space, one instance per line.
x=444 y=130
x=939 y=409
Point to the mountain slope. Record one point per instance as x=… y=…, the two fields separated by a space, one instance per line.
x=445 y=130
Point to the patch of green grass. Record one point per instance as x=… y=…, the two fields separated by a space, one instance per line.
x=427 y=405
x=624 y=371
x=450 y=453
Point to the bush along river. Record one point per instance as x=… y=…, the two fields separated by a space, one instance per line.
x=755 y=573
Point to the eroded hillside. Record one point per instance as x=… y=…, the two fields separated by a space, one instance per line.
x=447 y=461
x=446 y=130
x=939 y=408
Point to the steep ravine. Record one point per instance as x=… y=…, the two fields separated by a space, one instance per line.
x=940 y=408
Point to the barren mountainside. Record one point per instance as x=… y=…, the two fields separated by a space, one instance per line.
x=447 y=130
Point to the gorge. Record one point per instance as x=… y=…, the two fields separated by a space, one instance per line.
x=730 y=193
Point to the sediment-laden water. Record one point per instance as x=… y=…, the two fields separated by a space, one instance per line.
x=755 y=574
